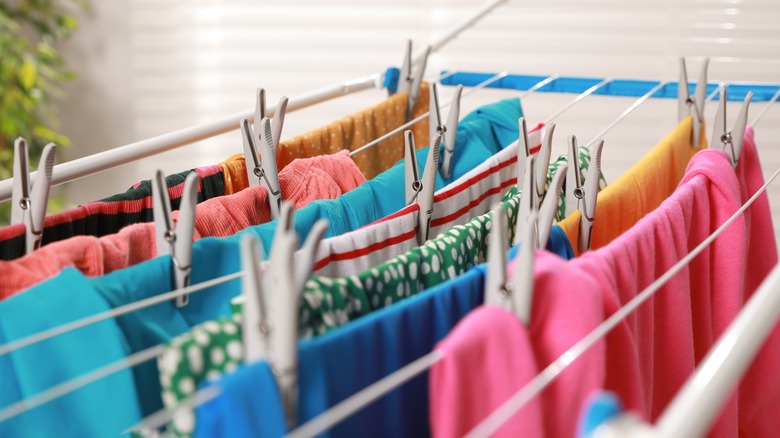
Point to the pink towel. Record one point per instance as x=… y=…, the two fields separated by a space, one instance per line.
x=651 y=353
x=487 y=358
x=759 y=392
x=302 y=181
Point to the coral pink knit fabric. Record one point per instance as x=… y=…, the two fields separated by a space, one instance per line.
x=303 y=181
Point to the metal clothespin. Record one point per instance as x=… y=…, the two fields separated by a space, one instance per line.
x=550 y=206
x=261 y=141
x=422 y=189
x=573 y=177
x=528 y=204
x=731 y=141
x=515 y=296
x=693 y=105
x=271 y=298
x=523 y=151
x=176 y=240
x=542 y=156
x=584 y=195
x=449 y=131
x=497 y=288
x=30 y=198
x=543 y=162
x=410 y=83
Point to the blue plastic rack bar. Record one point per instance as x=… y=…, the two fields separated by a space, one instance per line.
x=762 y=92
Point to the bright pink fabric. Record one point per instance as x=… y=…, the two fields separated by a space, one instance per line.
x=561 y=315
x=650 y=354
x=759 y=392
x=487 y=358
x=302 y=181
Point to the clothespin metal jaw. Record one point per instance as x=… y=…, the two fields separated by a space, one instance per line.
x=730 y=141
x=693 y=105
x=409 y=82
x=584 y=195
x=449 y=131
x=421 y=189
x=515 y=295
x=271 y=298
x=176 y=240
x=261 y=141
x=30 y=198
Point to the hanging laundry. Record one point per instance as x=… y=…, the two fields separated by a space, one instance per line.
x=109 y=215
x=638 y=191
x=215 y=347
x=344 y=361
x=759 y=397
x=358 y=129
x=212 y=258
x=250 y=406
x=490 y=345
x=650 y=354
x=303 y=181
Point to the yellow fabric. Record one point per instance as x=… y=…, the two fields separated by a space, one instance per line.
x=356 y=130
x=235 y=174
x=639 y=191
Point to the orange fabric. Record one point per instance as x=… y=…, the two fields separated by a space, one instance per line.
x=639 y=191
x=349 y=133
x=235 y=174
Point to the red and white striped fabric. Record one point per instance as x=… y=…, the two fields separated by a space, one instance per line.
x=471 y=195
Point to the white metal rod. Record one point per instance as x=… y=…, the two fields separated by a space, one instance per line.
x=698 y=403
x=69 y=386
x=364 y=397
x=438 y=43
x=628 y=111
x=584 y=94
x=165 y=415
x=766 y=108
x=99 y=162
x=716 y=91
x=81 y=167
x=113 y=313
x=504 y=412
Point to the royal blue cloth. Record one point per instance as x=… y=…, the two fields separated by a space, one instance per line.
x=340 y=363
x=249 y=405
x=107 y=407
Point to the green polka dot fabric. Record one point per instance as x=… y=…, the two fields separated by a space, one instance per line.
x=215 y=348
x=207 y=352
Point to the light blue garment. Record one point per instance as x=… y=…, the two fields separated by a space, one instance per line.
x=338 y=364
x=111 y=405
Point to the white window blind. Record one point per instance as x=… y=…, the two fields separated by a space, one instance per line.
x=193 y=61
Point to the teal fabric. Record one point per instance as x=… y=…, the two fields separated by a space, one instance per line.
x=100 y=409
x=108 y=407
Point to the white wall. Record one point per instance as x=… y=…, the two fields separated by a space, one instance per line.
x=151 y=66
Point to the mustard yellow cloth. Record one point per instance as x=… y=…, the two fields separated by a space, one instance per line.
x=639 y=191
x=356 y=130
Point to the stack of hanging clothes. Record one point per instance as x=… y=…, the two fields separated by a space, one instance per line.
x=377 y=300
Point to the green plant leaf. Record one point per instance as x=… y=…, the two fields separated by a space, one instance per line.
x=28 y=74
